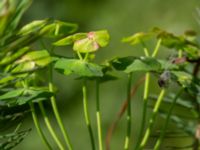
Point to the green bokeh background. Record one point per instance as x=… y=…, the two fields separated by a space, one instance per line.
x=121 y=18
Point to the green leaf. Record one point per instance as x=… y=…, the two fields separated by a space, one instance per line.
x=185 y=125
x=85 y=46
x=20 y=42
x=41 y=58
x=12 y=94
x=183 y=103
x=78 y=67
x=92 y=43
x=33 y=95
x=132 y=64
x=20 y=7
x=101 y=37
x=34 y=26
x=70 y=39
x=144 y=64
x=6 y=79
x=138 y=38
x=86 y=42
x=184 y=78
x=32 y=60
x=13 y=56
x=122 y=63
x=180 y=42
x=58 y=29
x=10 y=140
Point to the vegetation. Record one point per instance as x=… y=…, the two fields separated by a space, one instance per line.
x=28 y=54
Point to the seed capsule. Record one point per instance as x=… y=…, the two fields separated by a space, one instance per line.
x=164 y=79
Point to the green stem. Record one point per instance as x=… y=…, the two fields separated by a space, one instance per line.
x=146 y=51
x=37 y=126
x=98 y=116
x=160 y=139
x=128 y=117
x=56 y=112
x=152 y=120
x=79 y=56
x=144 y=110
x=156 y=48
x=180 y=53
x=50 y=128
x=86 y=114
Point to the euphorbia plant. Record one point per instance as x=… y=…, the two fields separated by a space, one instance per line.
x=21 y=90
x=84 y=45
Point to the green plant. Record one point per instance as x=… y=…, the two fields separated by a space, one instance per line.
x=22 y=68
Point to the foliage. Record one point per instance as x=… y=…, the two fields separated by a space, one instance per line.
x=21 y=88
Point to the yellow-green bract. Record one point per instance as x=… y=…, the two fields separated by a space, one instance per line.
x=86 y=42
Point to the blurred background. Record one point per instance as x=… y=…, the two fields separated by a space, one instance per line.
x=121 y=18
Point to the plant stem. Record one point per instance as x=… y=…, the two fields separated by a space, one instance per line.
x=50 y=128
x=160 y=139
x=37 y=126
x=146 y=51
x=144 y=110
x=98 y=116
x=152 y=120
x=86 y=114
x=56 y=112
x=80 y=56
x=128 y=117
x=156 y=48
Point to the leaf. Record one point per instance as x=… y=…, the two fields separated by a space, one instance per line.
x=11 y=140
x=21 y=7
x=122 y=63
x=144 y=64
x=181 y=42
x=20 y=42
x=78 y=67
x=58 y=28
x=22 y=96
x=70 y=39
x=92 y=43
x=86 y=42
x=101 y=37
x=32 y=60
x=183 y=108
x=138 y=38
x=41 y=57
x=85 y=46
x=13 y=56
x=186 y=126
x=132 y=64
x=12 y=94
x=12 y=12
x=184 y=78
x=33 y=95
x=32 y=27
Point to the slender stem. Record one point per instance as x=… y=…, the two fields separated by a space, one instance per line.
x=152 y=120
x=156 y=48
x=146 y=90
x=160 y=139
x=146 y=51
x=38 y=128
x=86 y=56
x=128 y=117
x=98 y=116
x=180 y=53
x=79 y=56
x=50 y=128
x=144 y=110
x=86 y=114
x=56 y=112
